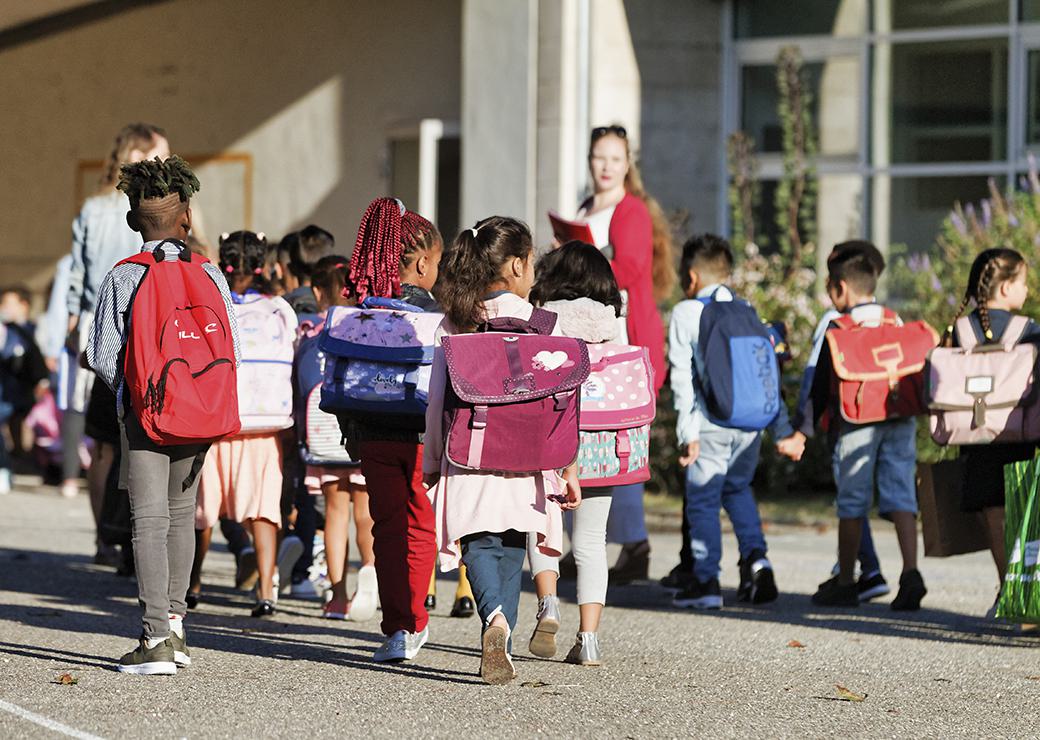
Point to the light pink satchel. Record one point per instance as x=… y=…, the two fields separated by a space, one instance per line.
x=984 y=393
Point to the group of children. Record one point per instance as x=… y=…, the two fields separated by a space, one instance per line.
x=261 y=473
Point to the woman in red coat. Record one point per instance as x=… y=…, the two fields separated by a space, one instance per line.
x=631 y=229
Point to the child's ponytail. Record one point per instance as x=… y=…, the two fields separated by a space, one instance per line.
x=473 y=265
x=242 y=257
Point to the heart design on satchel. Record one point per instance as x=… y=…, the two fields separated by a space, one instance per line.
x=549 y=361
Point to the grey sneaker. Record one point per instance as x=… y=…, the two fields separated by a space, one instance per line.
x=181 y=655
x=543 y=640
x=157 y=661
x=402 y=645
x=585 y=650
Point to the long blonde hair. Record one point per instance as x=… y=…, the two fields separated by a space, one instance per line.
x=134 y=137
x=663 y=265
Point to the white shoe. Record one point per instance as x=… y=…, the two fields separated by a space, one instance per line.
x=289 y=553
x=366 y=598
x=5 y=481
x=402 y=645
x=70 y=489
x=305 y=589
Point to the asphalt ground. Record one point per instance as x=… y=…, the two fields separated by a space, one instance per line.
x=742 y=672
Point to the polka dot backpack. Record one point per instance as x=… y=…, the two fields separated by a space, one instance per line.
x=617 y=408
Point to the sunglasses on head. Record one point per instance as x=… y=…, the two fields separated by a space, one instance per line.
x=601 y=131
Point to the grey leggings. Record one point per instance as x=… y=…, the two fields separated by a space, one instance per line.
x=589 y=542
x=163 y=512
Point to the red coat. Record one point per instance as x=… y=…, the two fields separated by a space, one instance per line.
x=631 y=235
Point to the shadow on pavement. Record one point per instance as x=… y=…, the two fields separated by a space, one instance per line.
x=79 y=597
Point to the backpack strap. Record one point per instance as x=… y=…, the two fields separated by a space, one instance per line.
x=542 y=321
x=965 y=333
x=1016 y=329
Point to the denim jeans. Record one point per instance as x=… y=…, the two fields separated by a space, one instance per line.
x=721 y=478
x=495 y=562
x=885 y=453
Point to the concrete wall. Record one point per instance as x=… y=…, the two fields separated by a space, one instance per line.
x=678 y=50
x=310 y=91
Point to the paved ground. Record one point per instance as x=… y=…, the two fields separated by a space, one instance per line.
x=942 y=672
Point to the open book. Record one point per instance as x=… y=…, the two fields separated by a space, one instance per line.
x=566 y=230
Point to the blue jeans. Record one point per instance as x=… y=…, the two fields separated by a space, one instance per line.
x=721 y=478
x=495 y=562
x=885 y=453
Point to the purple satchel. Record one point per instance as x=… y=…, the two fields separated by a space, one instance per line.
x=512 y=403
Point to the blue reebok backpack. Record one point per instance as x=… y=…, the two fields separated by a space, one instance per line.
x=741 y=379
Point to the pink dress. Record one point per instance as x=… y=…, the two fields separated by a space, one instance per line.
x=241 y=479
x=467 y=502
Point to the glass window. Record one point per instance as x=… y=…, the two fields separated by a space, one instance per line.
x=949 y=101
x=1030 y=10
x=1033 y=98
x=919 y=205
x=912 y=14
x=758 y=18
x=839 y=211
x=835 y=89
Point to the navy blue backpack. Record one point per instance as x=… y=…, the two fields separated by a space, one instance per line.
x=741 y=379
x=318 y=433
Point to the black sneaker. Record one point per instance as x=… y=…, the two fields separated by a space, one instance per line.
x=181 y=655
x=833 y=593
x=911 y=591
x=700 y=596
x=157 y=661
x=757 y=583
x=872 y=586
x=678 y=578
x=633 y=564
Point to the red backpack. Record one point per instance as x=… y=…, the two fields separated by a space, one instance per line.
x=879 y=370
x=179 y=367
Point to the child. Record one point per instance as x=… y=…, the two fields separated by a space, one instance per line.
x=888 y=448
x=298 y=253
x=397 y=255
x=576 y=283
x=162 y=480
x=342 y=486
x=997 y=285
x=870 y=583
x=720 y=461
x=242 y=475
x=488 y=274
x=24 y=377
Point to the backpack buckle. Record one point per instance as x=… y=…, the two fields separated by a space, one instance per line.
x=480 y=416
x=560 y=400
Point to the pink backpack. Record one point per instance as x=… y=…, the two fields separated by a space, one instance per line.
x=983 y=393
x=617 y=408
x=266 y=331
x=512 y=403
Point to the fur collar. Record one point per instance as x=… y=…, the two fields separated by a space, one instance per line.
x=584 y=318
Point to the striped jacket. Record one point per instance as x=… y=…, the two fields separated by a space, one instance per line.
x=108 y=336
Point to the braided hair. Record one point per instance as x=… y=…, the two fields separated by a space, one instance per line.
x=242 y=255
x=388 y=237
x=989 y=270
x=157 y=178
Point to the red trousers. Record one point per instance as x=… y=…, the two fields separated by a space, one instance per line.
x=404 y=528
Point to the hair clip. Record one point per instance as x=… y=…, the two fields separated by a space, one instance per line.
x=339 y=265
x=474 y=231
x=229 y=269
x=258 y=271
x=261 y=236
x=400 y=204
x=224 y=236
x=989 y=333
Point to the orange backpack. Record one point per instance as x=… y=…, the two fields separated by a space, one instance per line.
x=879 y=370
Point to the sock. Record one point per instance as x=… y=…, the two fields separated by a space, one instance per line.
x=463 y=589
x=177 y=625
x=151 y=642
